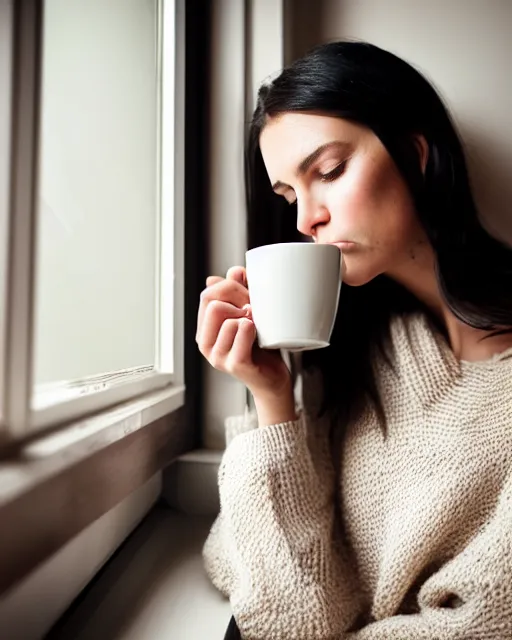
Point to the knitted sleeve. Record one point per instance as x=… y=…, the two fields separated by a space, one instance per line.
x=270 y=550
x=470 y=597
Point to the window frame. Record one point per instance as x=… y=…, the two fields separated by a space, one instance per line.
x=6 y=11
x=97 y=461
x=19 y=418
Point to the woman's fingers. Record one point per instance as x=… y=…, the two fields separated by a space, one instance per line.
x=229 y=291
x=215 y=314
x=232 y=352
x=238 y=274
x=223 y=344
x=225 y=334
x=240 y=355
x=211 y=280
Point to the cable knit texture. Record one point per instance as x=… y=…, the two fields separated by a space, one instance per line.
x=426 y=545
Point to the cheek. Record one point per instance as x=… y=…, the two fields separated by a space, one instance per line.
x=373 y=206
x=354 y=207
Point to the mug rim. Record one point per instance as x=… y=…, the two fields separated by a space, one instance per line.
x=291 y=244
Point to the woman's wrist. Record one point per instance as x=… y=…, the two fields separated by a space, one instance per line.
x=275 y=407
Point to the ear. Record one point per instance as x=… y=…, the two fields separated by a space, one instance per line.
x=422 y=148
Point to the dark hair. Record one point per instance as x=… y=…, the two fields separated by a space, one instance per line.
x=363 y=83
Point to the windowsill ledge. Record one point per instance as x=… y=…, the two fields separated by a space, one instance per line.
x=90 y=465
x=155 y=587
x=190 y=483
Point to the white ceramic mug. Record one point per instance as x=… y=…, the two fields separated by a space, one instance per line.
x=294 y=290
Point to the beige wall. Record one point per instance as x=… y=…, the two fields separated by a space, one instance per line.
x=463 y=46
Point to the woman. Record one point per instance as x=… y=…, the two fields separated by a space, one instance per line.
x=383 y=508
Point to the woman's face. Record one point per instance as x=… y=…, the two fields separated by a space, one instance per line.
x=348 y=192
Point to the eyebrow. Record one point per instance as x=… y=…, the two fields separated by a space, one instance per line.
x=310 y=159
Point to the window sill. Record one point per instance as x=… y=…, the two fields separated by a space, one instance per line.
x=155 y=587
x=190 y=484
x=59 y=483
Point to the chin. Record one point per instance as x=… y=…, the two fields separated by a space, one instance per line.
x=361 y=267
x=357 y=277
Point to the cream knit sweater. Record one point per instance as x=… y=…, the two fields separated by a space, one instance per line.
x=427 y=511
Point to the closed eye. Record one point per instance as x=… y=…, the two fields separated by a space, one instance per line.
x=334 y=174
x=330 y=176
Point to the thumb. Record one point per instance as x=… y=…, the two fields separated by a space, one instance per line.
x=211 y=280
x=238 y=274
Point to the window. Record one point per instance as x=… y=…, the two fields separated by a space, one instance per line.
x=93 y=271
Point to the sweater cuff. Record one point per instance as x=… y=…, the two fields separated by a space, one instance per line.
x=270 y=442
x=248 y=421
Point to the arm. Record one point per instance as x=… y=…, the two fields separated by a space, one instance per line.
x=271 y=548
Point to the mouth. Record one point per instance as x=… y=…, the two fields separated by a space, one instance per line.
x=344 y=245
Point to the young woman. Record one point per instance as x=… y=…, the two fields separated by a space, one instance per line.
x=382 y=509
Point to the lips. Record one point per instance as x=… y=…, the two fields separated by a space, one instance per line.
x=343 y=244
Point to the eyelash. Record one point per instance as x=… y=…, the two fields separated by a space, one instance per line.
x=335 y=173
x=330 y=176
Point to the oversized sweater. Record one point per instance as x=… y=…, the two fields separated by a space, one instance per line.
x=426 y=509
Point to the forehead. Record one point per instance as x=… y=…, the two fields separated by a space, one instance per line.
x=289 y=138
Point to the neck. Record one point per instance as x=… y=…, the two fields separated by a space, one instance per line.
x=418 y=275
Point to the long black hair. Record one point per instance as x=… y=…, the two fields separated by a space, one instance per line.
x=365 y=84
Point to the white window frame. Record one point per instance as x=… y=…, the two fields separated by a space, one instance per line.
x=19 y=417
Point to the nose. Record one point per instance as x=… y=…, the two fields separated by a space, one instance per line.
x=311 y=215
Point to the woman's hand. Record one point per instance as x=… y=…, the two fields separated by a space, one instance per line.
x=226 y=336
